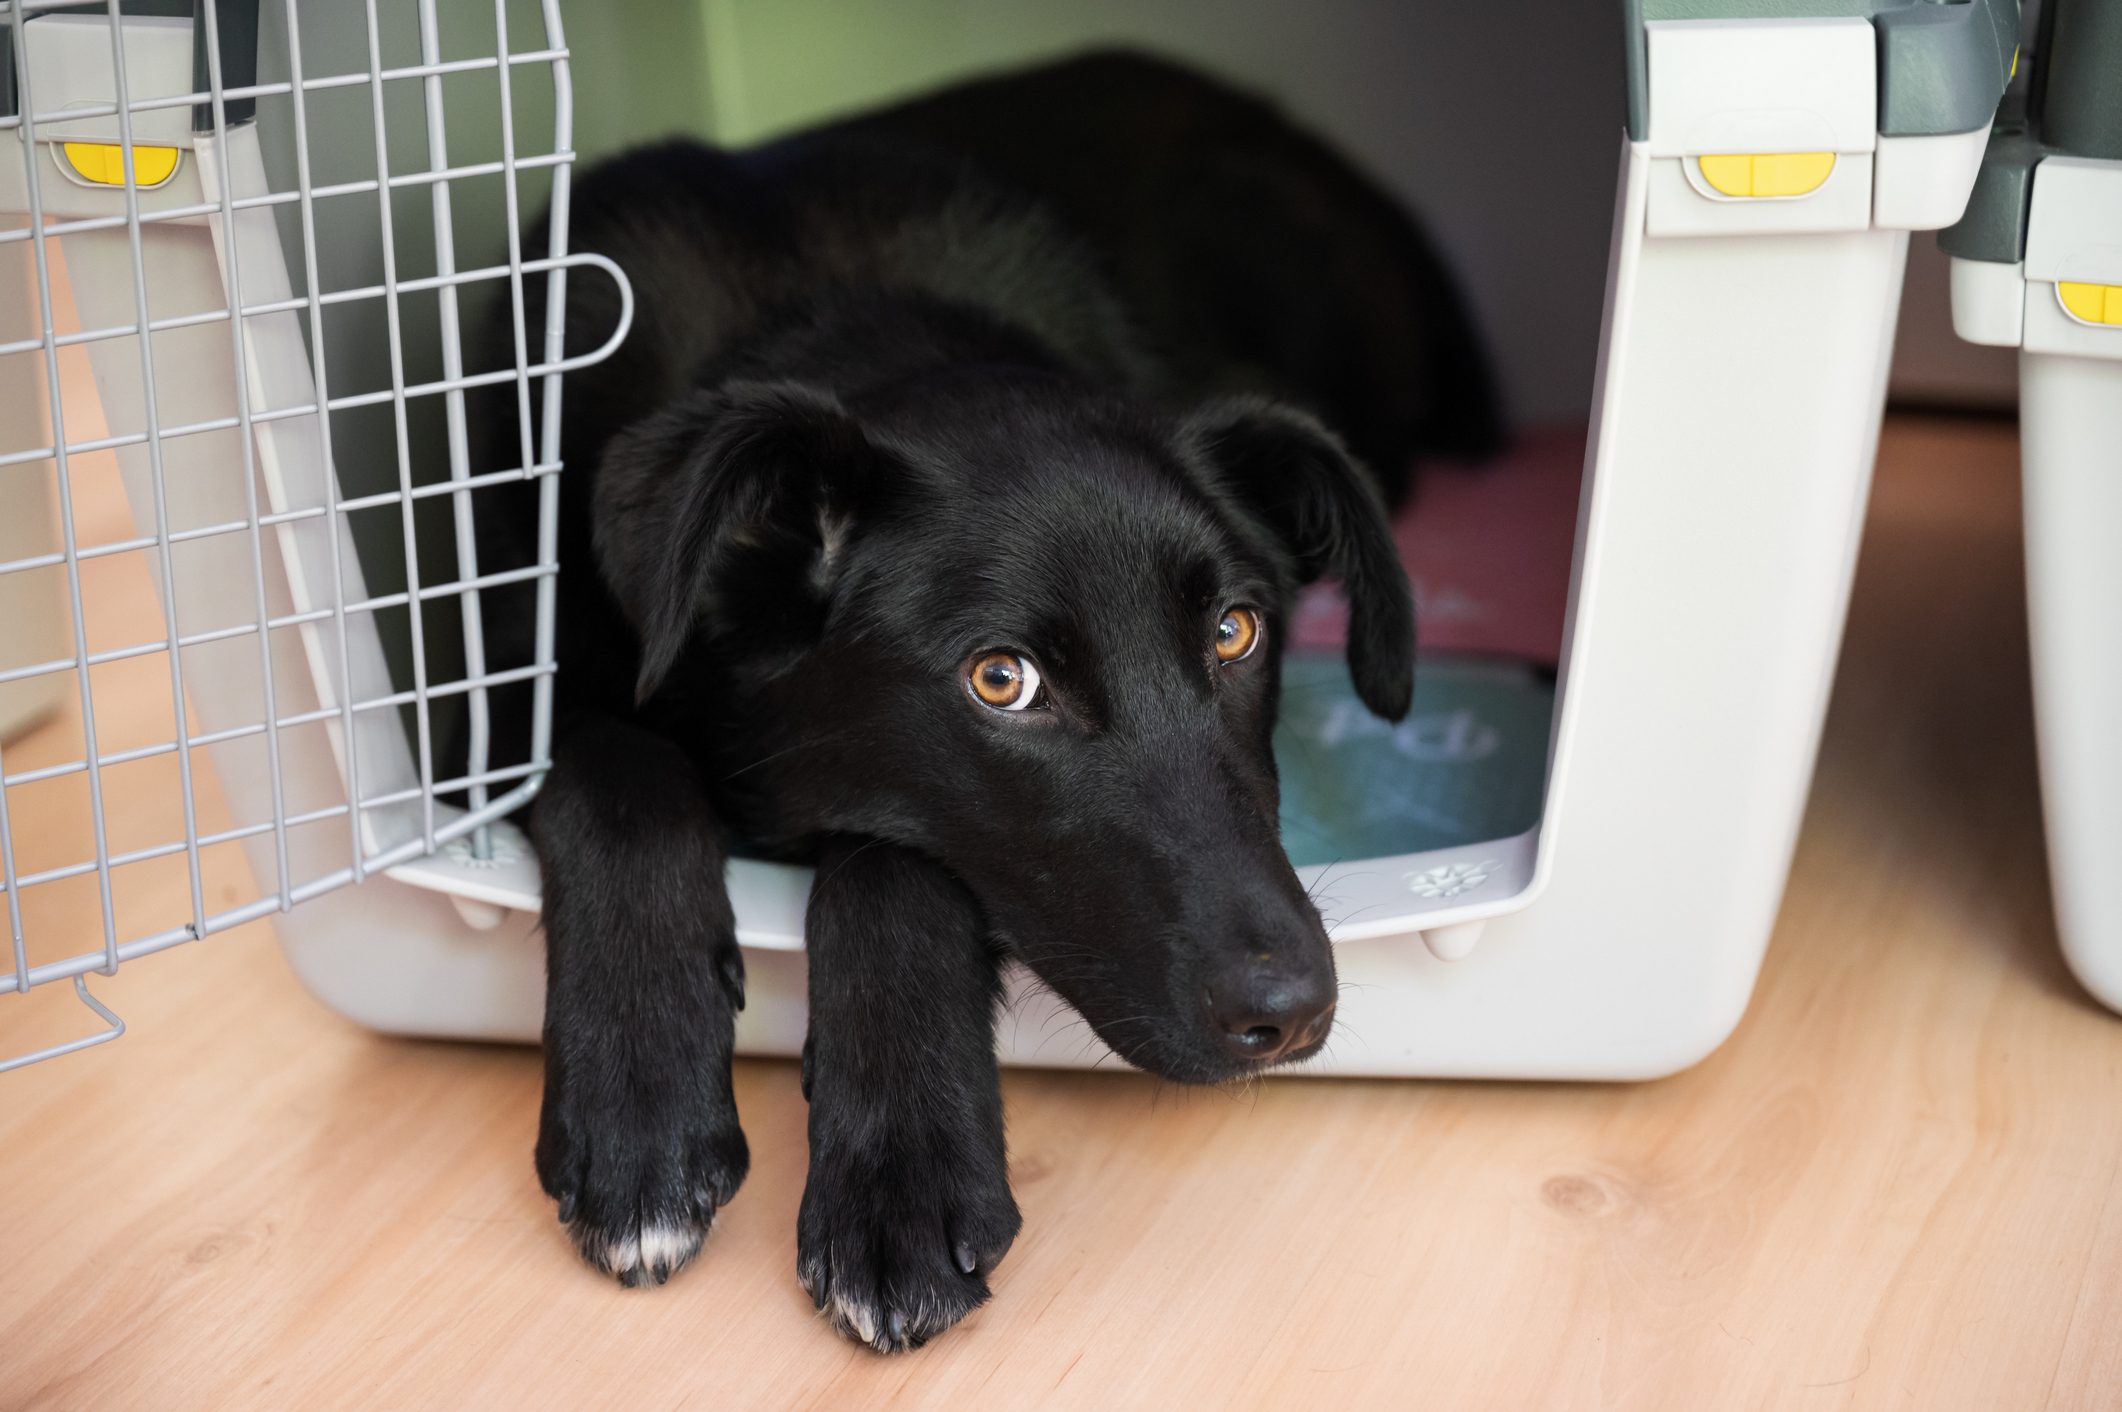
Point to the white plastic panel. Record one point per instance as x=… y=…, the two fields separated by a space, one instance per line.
x=72 y=54
x=1679 y=206
x=2070 y=429
x=1923 y=183
x=1989 y=302
x=2049 y=329
x=2073 y=233
x=1762 y=86
x=2074 y=230
x=33 y=611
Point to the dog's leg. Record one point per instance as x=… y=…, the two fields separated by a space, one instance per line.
x=908 y=1207
x=638 y=1140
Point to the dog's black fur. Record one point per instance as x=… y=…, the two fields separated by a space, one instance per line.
x=900 y=392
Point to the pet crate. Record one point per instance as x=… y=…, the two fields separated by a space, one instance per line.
x=2037 y=266
x=1609 y=928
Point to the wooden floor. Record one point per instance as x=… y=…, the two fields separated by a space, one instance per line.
x=1894 y=1187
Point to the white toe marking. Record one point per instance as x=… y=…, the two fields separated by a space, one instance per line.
x=858 y=1319
x=669 y=1245
x=642 y=1249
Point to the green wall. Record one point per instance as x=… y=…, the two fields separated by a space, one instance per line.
x=1452 y=107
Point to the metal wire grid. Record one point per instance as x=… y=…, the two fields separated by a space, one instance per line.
x=538 y=461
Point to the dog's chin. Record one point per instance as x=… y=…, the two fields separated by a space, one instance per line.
x=1190 y=1057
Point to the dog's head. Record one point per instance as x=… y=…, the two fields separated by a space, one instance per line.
x=1035 y=634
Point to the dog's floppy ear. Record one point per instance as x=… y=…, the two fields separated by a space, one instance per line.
x=736 y=499
x=1295 y=478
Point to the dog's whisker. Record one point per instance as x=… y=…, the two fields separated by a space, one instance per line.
x=1351 y=1031
x=839 y=867
x=767 y=759
x=1359 y=912
x=1325 y=874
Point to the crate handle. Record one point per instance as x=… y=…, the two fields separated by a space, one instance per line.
x=113 y=1028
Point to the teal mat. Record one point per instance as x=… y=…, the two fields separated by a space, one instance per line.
x=1468 y=764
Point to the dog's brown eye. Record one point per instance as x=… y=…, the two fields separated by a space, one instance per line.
x=1237 y=635
x=1006 y=681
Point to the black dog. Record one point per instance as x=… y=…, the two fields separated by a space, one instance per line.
x=916 y=553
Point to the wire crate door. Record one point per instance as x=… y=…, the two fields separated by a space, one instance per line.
x=179 y=258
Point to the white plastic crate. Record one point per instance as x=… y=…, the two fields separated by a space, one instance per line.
x=2039 y=268
x=1741 y=380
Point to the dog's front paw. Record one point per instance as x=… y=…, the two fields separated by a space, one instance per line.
x=896 y=1240
x=639 y=1178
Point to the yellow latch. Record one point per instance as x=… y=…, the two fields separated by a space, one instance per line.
x=2092 y=303
x=104 y=162
x=1767 y=173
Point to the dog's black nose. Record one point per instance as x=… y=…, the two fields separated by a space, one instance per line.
x=1263 y=1015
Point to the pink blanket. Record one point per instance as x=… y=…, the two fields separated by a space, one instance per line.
x=1488 y=549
